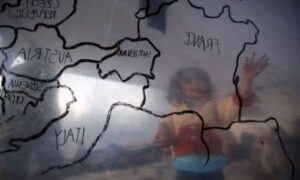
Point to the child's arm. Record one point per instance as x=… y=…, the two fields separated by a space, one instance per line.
x=228 y=107
x=251 y=69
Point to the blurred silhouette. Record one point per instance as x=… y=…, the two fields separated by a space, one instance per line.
x=191 y=89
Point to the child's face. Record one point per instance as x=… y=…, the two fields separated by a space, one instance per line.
x=192 y=89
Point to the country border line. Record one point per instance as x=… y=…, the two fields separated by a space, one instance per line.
x=277 y=130
x=235 y=78
x=105 y=127
x=73 y=65
x=9 y=5
x=12 y=141
x=235 y=81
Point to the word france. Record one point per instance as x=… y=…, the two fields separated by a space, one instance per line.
x=202 y=42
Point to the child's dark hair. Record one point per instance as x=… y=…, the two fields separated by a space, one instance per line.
x=175 y=92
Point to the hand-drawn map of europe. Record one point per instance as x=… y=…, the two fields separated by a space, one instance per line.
x=79 y=78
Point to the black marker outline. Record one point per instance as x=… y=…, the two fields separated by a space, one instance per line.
x=235 y=79
x=7 y=4
x=13 y=41
x=40 y=23
x=105 y=127
x=43 y=130
x=23 y=92
x=62 y=69
x=146 y=75
x=61 y=37
x=16 y=31
x=11 y=117
x=277 y=130
x=41 y=98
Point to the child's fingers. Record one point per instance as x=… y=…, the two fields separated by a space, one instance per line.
x=264 y=64
x=259 y=61
x=262 y=61
x=256 y=66
x=251 y=59
x=247 y=62
x=262 y=58
x=253 y=56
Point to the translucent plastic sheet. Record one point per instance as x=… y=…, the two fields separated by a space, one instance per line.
x=149 y=89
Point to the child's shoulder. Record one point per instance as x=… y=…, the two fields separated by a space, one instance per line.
x=177 y=106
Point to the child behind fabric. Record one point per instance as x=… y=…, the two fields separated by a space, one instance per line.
x=191 y=89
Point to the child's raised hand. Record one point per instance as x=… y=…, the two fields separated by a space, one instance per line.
x=253 y=67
